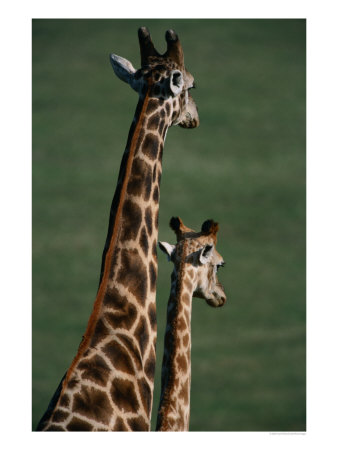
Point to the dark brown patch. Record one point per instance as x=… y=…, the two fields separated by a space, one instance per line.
x=72 y=383
x=119 y=357
x=149 y=220
x=153 y=121
x=152 y=106
x=152 y=276
x=134 y=351
x=152 y=316
x=142 y=335
x=154 y=172
x=156 y=195
x=95 y=369
x=100 y=333
x=161 y=153
x=145 y=393
x=167 y=108
x=60 y=416
x=140 y=181
x=182 y=363
x=149 y=367
x=120 y=425
x=124 y=313
x=93 y=403
x=150 y=146
x=156 y=219
x=55 y=428
x=154 y=250
x=138 y=424
x=64 y=401
x=161 y=127
x=133 y=274
x=124 y=395
x=79 y=425
x=131 y=220
x=144 y=241
x=159 y=176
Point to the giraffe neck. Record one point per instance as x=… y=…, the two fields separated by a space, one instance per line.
x=109 y=384
x=174 y=408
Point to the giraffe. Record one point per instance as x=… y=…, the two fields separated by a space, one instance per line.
x=196 y=262
x=109 y=385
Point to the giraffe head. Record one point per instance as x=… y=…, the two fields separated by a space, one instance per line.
x=195 y=254
x=163 y=76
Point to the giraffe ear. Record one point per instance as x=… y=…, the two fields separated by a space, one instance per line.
x=167 y=249
x=176 y=82
x=206 y=253
x=123 y=69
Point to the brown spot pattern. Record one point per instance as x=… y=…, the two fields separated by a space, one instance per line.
x=144 y=241
x=141 y=179
x=79 y=425
x=145 y=392
x=138 y=424
x=93 y=403
x=100 y=332
x=149 y=367
x=152 y=316
x=150 y=146
x=120 y=425
x=133 y=349
x=60 y=416
x=123 y=395
x=119 y=357
x=142 y=334
x=182 y=363
x=132 y=217
x=153 y=121
x=149 y=220
x=133 y=274
x=124 y=314
x=94 y=369
x=152 y=276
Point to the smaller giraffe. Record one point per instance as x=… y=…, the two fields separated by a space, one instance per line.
x=196 y=263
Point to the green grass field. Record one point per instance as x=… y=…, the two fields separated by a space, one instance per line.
x=244 y=167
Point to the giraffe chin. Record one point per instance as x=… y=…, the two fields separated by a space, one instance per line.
x=219 y=298
x=216 y=302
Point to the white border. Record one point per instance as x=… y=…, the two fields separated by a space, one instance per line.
x=322 y=223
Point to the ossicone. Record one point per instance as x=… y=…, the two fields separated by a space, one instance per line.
x=147 y=48
x=209 y=227
x=174 y=48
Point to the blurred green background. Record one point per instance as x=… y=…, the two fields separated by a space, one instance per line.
x=244 y=167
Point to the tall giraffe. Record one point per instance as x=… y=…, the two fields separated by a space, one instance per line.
x=196 y=262
x=109 y=385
